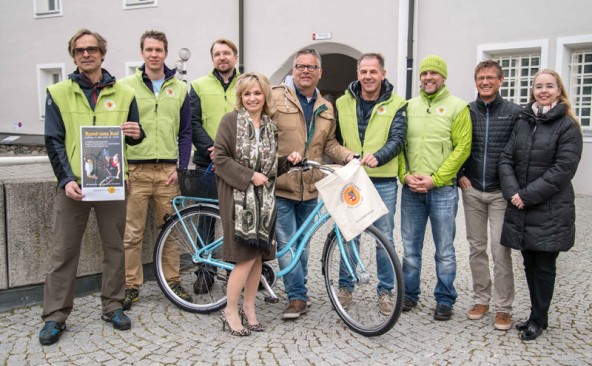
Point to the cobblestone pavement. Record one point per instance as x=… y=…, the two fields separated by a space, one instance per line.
x=164 y=334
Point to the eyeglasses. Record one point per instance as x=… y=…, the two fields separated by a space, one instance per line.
x=91 y=51
x=301 y=67
x=488 y=78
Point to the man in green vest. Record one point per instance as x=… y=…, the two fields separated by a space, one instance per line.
x=212 y=96
x=166 y=117
x=438 y=143
x=90 y=97
x=373 y=123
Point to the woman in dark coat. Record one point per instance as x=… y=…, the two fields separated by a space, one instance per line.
x=247 y=167
x=536 y=169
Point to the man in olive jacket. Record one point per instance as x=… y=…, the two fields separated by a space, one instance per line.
x=90 y=97
x=306 y=124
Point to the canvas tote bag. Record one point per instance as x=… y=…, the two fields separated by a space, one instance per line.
x=351 y=199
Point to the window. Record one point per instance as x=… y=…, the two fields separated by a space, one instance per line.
x=574 y=64
x=47 y=74
x=136 y=4
x=518 y=74
x=519 y=61
x=47 y=8
x=580 y=90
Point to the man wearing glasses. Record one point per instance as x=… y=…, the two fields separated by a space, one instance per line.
x=306 y=124
x=89 y=97
x=493 y=120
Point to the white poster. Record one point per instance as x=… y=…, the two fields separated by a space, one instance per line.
x=102 y=163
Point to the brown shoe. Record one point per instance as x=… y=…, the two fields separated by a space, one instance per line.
x=295 y=309
x=477 y=311
x=503 y=321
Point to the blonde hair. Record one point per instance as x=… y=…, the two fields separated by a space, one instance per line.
x=246 y=81
x=563 y=98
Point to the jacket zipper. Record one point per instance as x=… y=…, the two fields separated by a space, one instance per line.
x=484 y=183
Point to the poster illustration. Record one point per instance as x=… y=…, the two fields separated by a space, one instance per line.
x=102 y=163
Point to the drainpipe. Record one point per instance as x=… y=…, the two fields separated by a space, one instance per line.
x=241 y=38
x=408 y=92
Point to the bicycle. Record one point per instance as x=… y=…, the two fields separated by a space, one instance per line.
x=192 y=240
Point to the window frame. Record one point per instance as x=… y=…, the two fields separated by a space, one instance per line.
x=138 y=4
x=39 y=14
x=42 y=83
x=521 y=48
x=566 y=47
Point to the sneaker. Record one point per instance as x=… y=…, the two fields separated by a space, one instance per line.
x=385 y=304
x=503 y=321
x=131 y=295
x=345 y=297
x=443 y=312
x=408 y=304
x=295 y=309
x=477 y=311
x=118 y=318
x=51 y=332
x=181 y=292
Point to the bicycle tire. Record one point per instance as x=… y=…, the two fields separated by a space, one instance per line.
x=364 y=314
x=205 y=284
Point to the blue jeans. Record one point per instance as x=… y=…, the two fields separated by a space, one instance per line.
x=386 y=224
x=440 y=206
x=290 y=216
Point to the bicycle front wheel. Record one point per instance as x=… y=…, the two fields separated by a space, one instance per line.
x=364 y=281
x=184 y=280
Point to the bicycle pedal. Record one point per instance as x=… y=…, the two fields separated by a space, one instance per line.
x=272 y=300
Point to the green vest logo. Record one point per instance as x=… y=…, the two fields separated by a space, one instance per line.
x=109 y=105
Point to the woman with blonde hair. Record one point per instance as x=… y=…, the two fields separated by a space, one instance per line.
x=536 y=169
x=247 y=166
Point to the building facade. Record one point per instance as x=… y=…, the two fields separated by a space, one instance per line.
x=523 y=36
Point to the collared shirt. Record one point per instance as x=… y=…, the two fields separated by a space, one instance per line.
x=221 y=79
x=307 y=106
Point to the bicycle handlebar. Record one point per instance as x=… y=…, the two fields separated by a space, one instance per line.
x=306 y=164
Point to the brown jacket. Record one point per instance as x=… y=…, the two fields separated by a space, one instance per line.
x=233 y=175
x=289 y=119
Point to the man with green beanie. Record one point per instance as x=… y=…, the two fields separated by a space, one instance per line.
x=439 y=136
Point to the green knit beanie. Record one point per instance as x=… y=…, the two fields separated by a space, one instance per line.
x=434 y=63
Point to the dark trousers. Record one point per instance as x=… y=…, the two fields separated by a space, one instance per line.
x=540 y=276
x=70 y=223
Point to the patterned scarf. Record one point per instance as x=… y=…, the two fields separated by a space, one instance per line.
x=254 y=208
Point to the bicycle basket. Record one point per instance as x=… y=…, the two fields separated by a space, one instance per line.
x=200 y=182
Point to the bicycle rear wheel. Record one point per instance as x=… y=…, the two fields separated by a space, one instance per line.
x=176 y=263
x=372 y=305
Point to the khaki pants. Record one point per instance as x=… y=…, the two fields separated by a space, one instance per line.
x=147 y=182
x=70 y=218
x=481 y=208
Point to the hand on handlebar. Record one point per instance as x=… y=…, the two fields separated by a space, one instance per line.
x=294 y=158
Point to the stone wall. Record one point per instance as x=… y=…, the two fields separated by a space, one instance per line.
x=26 y=221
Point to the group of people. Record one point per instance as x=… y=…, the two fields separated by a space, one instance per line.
x=514 y=167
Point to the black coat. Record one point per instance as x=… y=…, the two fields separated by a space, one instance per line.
x=538 y=163
x=492 y=126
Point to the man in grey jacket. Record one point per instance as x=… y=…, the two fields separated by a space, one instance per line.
x=493 y=120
